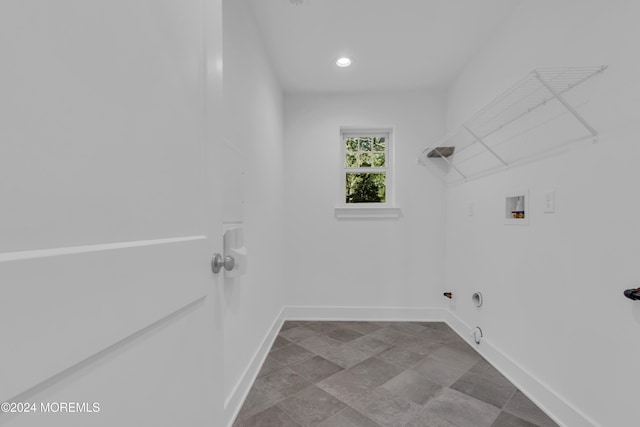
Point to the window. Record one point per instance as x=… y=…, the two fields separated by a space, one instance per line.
x=366 y=172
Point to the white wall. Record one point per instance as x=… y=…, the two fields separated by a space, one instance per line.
x=553 y=290
x=362 y=263
x=253 y=135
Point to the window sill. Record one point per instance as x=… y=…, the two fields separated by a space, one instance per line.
x=368 y=212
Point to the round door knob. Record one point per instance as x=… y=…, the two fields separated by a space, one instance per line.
x=218 y=262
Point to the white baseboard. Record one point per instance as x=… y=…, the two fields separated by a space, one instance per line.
x=548 y=400
x=407 y=314
x=551 y=402
x=233 y=402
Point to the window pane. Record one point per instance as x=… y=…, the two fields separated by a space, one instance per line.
x=378 y=144
x=352 y=161
x=365 y=188
x=365 y=144
x=378 y=160
x=365 y=160
x=352 y=144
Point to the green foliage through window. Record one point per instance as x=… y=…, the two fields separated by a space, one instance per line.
x=365 y=152
x=365 y=169
x=366 y=188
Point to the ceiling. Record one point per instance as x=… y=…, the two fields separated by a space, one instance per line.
x=394 y=44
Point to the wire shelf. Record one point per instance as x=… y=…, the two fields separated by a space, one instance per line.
x=539 y=88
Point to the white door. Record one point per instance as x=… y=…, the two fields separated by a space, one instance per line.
x=108 y=212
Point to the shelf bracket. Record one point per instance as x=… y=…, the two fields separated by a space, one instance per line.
x=477 y=138
x=453 y=166
x=568 y=106
x=449 y=163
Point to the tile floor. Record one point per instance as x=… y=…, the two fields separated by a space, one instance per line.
x=373 y=374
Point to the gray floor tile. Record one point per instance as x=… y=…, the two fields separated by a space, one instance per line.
x=419 y=345
x=505 y=419
x=319 y=344
x=464 y=359
x=400 y=357
x=520 y=406
x=437 y=326
x=289 y=324
x=256 y=401
x=291 y=354
x=486 y=370
x=425 y=418
x=274 y=416
x=438 y=335
x=344 y=356
x=347 y=386
x=312 y=406
x=316 y=369
x=343 y=334
x=413 y=386
x=463 y=410
x=348 y=418
x=408 y=327
x=270 y=366
x=474 y=385
x=362 y=327
x=279 y=343
x=460 y=344
x=282 y=384
x=414 y=374
x=385 y=323
x=378 y=371
x=422 y=324
x=322 y=327
x=386 y=409
x=389 y=335
x=368 y=345
x=440 y=371
x=298 y=333
x=270 y=389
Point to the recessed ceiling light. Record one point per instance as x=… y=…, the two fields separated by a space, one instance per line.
x=343 y=62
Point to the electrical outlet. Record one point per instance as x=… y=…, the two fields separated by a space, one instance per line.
x=470 y=207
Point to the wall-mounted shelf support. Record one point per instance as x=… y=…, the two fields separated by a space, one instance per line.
x=478 y=139
x=450 y=163
x=566 y=105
